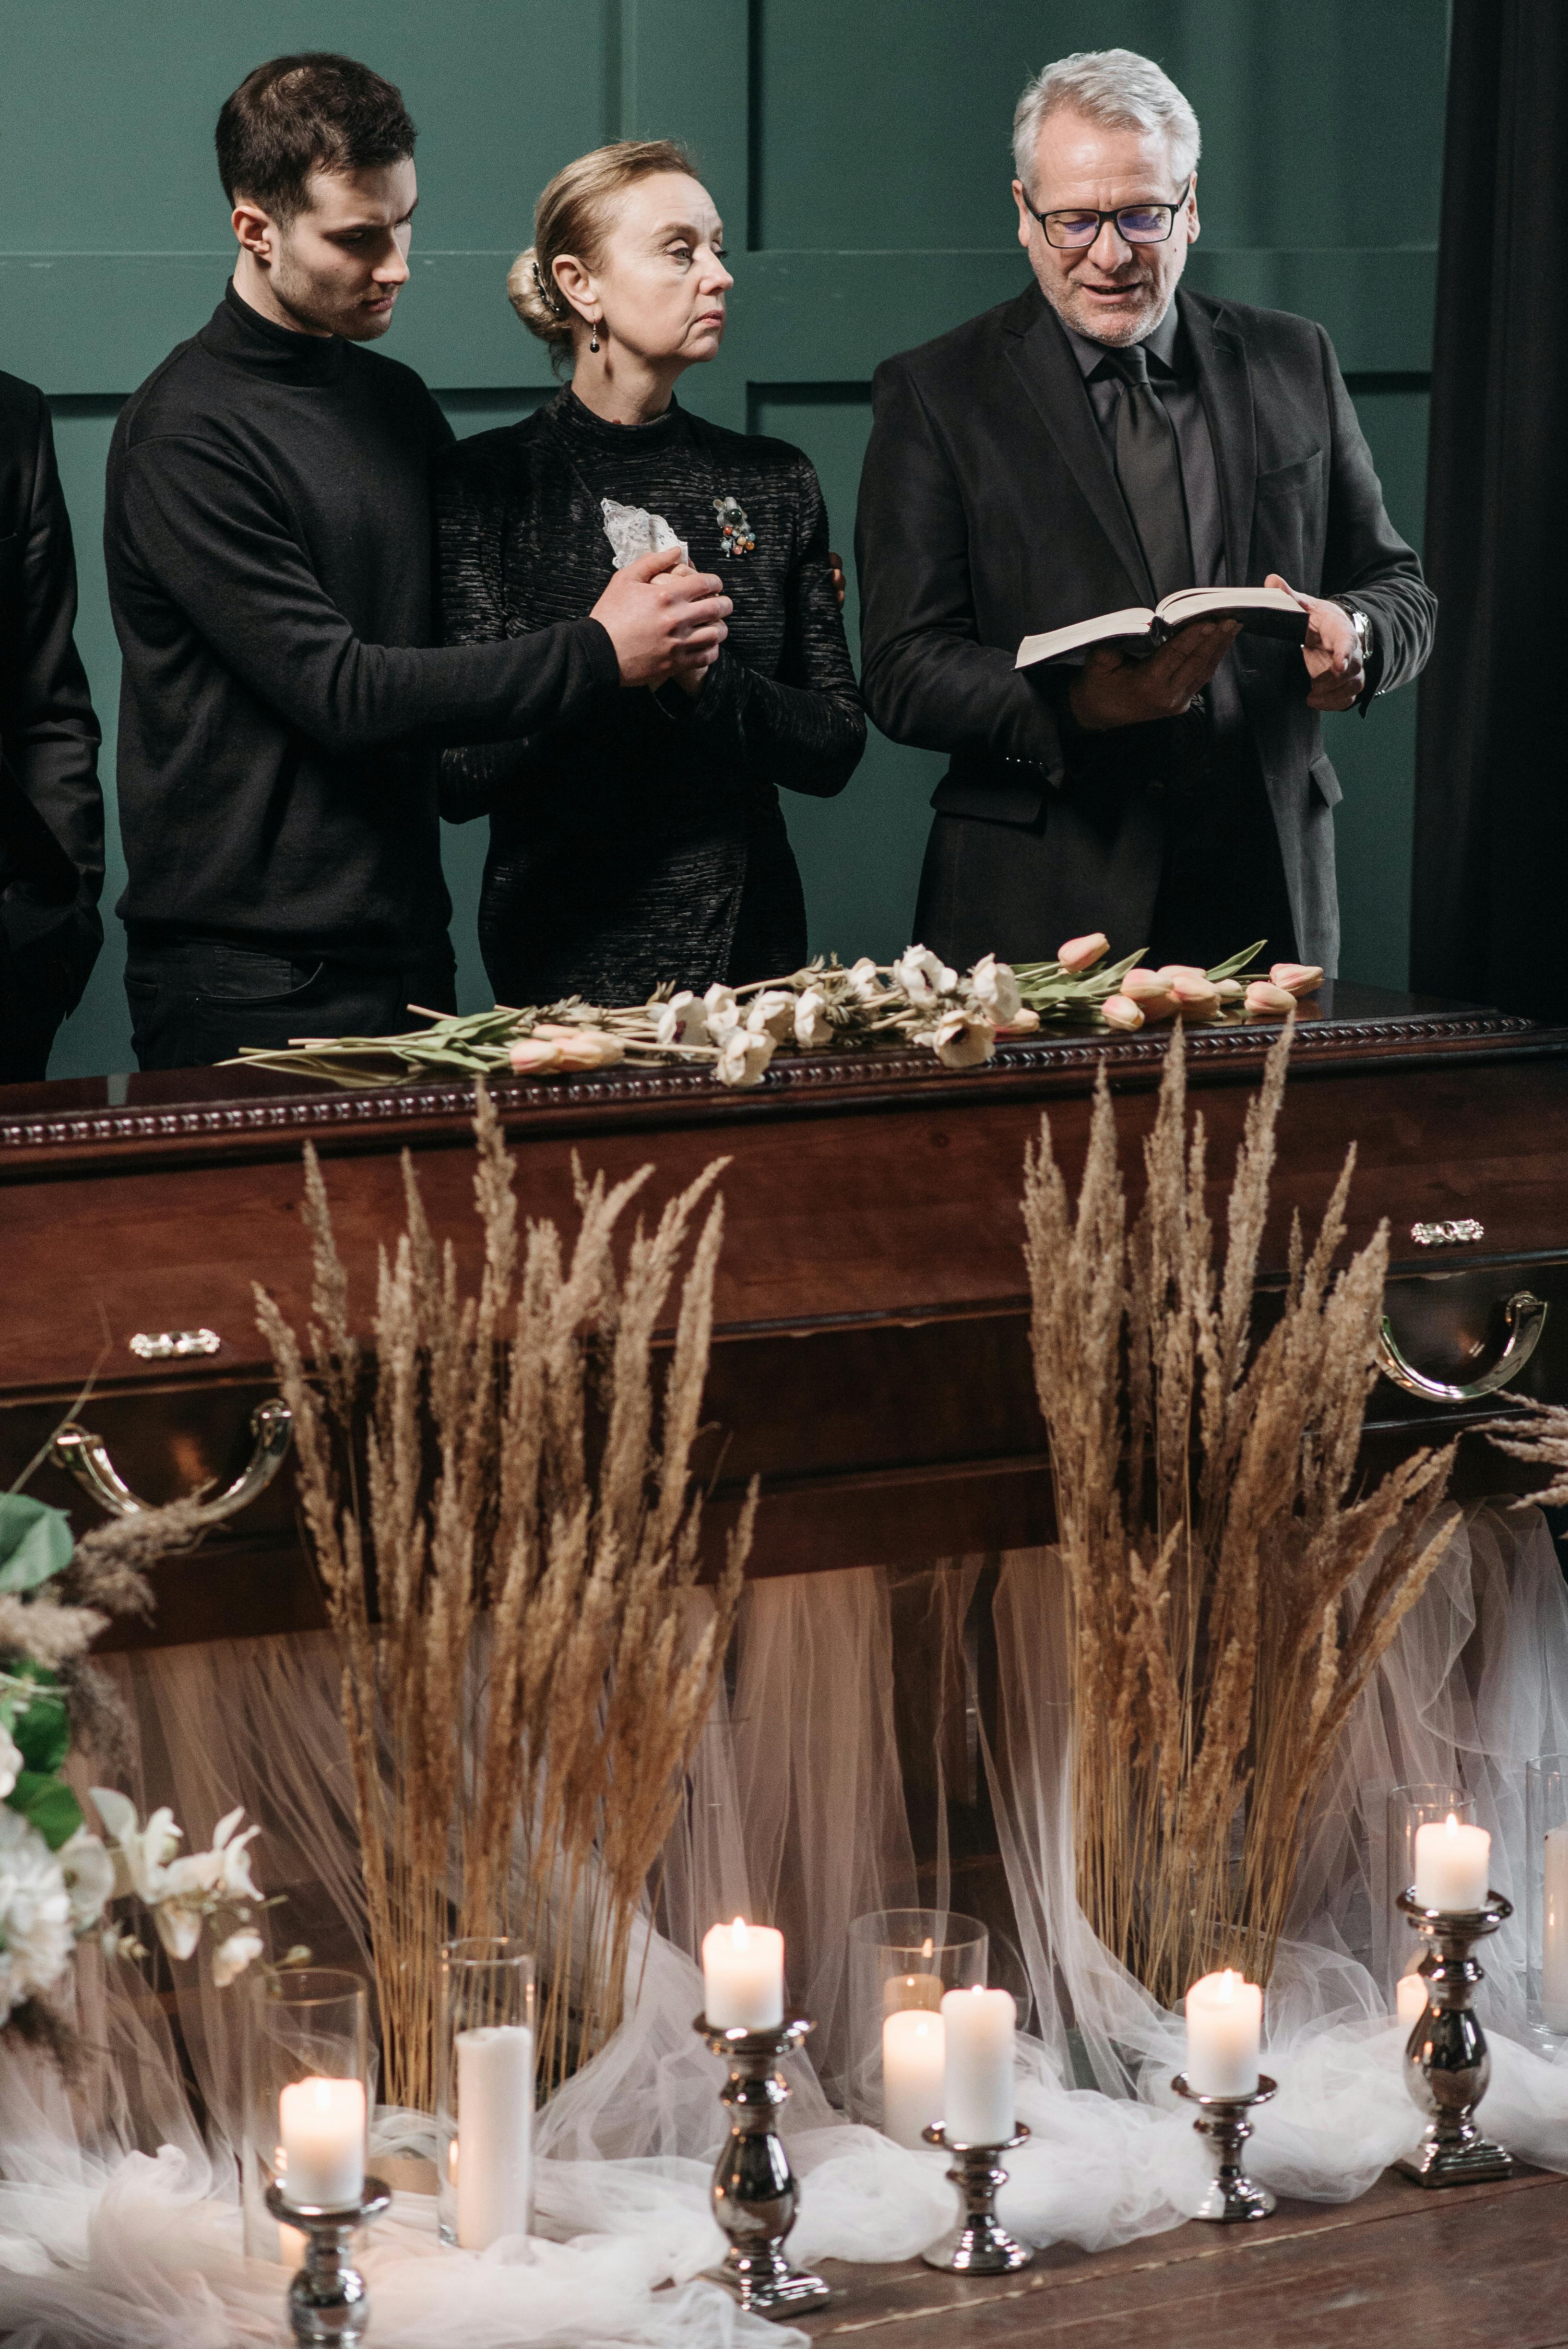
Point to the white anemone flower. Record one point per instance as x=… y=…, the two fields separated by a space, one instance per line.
x=962 y=1040
x=743 y=1057
x=721 y=1011
x=996 y=990
x=924 y=977
x=88 y=1872
x=772 y=1013
x=865 y=979
x=813 y=1028
x=36 y=1936
x=231 y=1957
x=681 y=1021
x=11 y=1762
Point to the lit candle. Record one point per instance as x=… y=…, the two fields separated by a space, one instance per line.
x=743 y=1977
x=1453 y=1865
x=321 y=2124
x=920 y=1989
x=1410 y=1996
x=495 y=2113
x=1554 y=1933
x=914 y=2043
x=977 y=2105
x=1225 y=2029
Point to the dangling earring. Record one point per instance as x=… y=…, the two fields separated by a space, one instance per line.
x=593 y=337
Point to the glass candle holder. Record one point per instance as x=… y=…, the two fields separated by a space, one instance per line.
x=1422 y=1804
x=484 y=2093
x=904 y=1960
x=306 y=2038
x=1546 y=1894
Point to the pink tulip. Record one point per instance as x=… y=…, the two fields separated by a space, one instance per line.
x=1170 y=971
x=532 y=1055
x=591 y=1047
x=1082 y=954
x=1119 y=1011
x=1297 y=978
x=1143 y=985
x=1024 y=1023
x=1263 y=994
x=1194 y=992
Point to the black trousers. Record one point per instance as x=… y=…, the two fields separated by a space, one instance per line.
x=194 y=1000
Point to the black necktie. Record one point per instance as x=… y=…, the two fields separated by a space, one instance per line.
x=1149 y=466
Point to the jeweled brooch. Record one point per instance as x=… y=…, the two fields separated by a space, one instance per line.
x=733 y=527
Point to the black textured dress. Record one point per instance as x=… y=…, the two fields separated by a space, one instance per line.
x=646 y=841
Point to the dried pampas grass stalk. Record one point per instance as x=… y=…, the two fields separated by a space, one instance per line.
x=1232 y=1591
x=503 y=1516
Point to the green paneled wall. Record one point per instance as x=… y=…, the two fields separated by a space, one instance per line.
x=859 y=150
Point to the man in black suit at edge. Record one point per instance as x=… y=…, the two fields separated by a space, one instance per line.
x=51 y=810
x=1099 y=442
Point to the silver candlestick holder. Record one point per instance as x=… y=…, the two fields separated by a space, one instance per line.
x=328 y=2297
x=755 y=2196
x=977 y=2245
x=1224 y=2121
x=1446 y=2065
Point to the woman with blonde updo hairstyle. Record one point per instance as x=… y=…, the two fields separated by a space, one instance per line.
x=644 y=845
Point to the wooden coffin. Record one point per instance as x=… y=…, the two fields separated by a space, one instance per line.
x=870 y=1360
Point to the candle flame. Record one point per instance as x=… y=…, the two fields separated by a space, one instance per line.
x=926 y=1946
x=322 y=2096
x=978 y=1989
x=737 y=1932
x=1452 y=1823
x=1228 y=1981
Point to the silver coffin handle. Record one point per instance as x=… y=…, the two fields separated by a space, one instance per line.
x=1525 y=1315
x=85 y=1457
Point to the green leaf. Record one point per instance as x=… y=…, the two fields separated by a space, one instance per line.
x=47 y=1803
x=43 y=1733
x=34 y=1541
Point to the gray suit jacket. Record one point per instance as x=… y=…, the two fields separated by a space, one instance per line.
x=989 y=510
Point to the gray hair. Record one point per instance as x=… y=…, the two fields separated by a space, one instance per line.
x=1113 y=86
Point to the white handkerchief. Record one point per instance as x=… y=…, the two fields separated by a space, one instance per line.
x=632 y=531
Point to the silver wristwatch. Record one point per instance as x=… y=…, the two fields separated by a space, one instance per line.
x=1363 y=626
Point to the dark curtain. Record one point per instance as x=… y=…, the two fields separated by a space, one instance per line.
x=1490 y=916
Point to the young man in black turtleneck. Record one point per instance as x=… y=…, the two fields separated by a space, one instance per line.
x=267 y=533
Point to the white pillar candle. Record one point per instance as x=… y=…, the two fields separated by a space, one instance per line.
x=495 y=2116
x=1554 y=1933
x=1453 y=1864
x=322 y=2125
x=1225 y=2030
x=1410 y=1998
x=914 y=2043
x=977 y=2105
x=743 y=1977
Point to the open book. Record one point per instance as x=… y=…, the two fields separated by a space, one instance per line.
x=1263 y=611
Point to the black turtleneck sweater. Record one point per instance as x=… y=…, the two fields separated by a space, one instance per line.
x=268 y=538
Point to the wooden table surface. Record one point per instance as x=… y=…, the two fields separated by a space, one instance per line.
x=1473 y=2267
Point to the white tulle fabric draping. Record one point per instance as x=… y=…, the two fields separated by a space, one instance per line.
x=118 y=2217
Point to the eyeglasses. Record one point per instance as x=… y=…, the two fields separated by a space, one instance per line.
x=1073 y=232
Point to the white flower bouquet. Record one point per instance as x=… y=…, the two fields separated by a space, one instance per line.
x=736 y=1031
x=62 y=1882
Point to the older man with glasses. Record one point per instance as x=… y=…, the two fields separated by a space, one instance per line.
x=1104 y=439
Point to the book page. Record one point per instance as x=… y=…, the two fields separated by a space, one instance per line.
x=1190 y=604
x=1057 y=642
